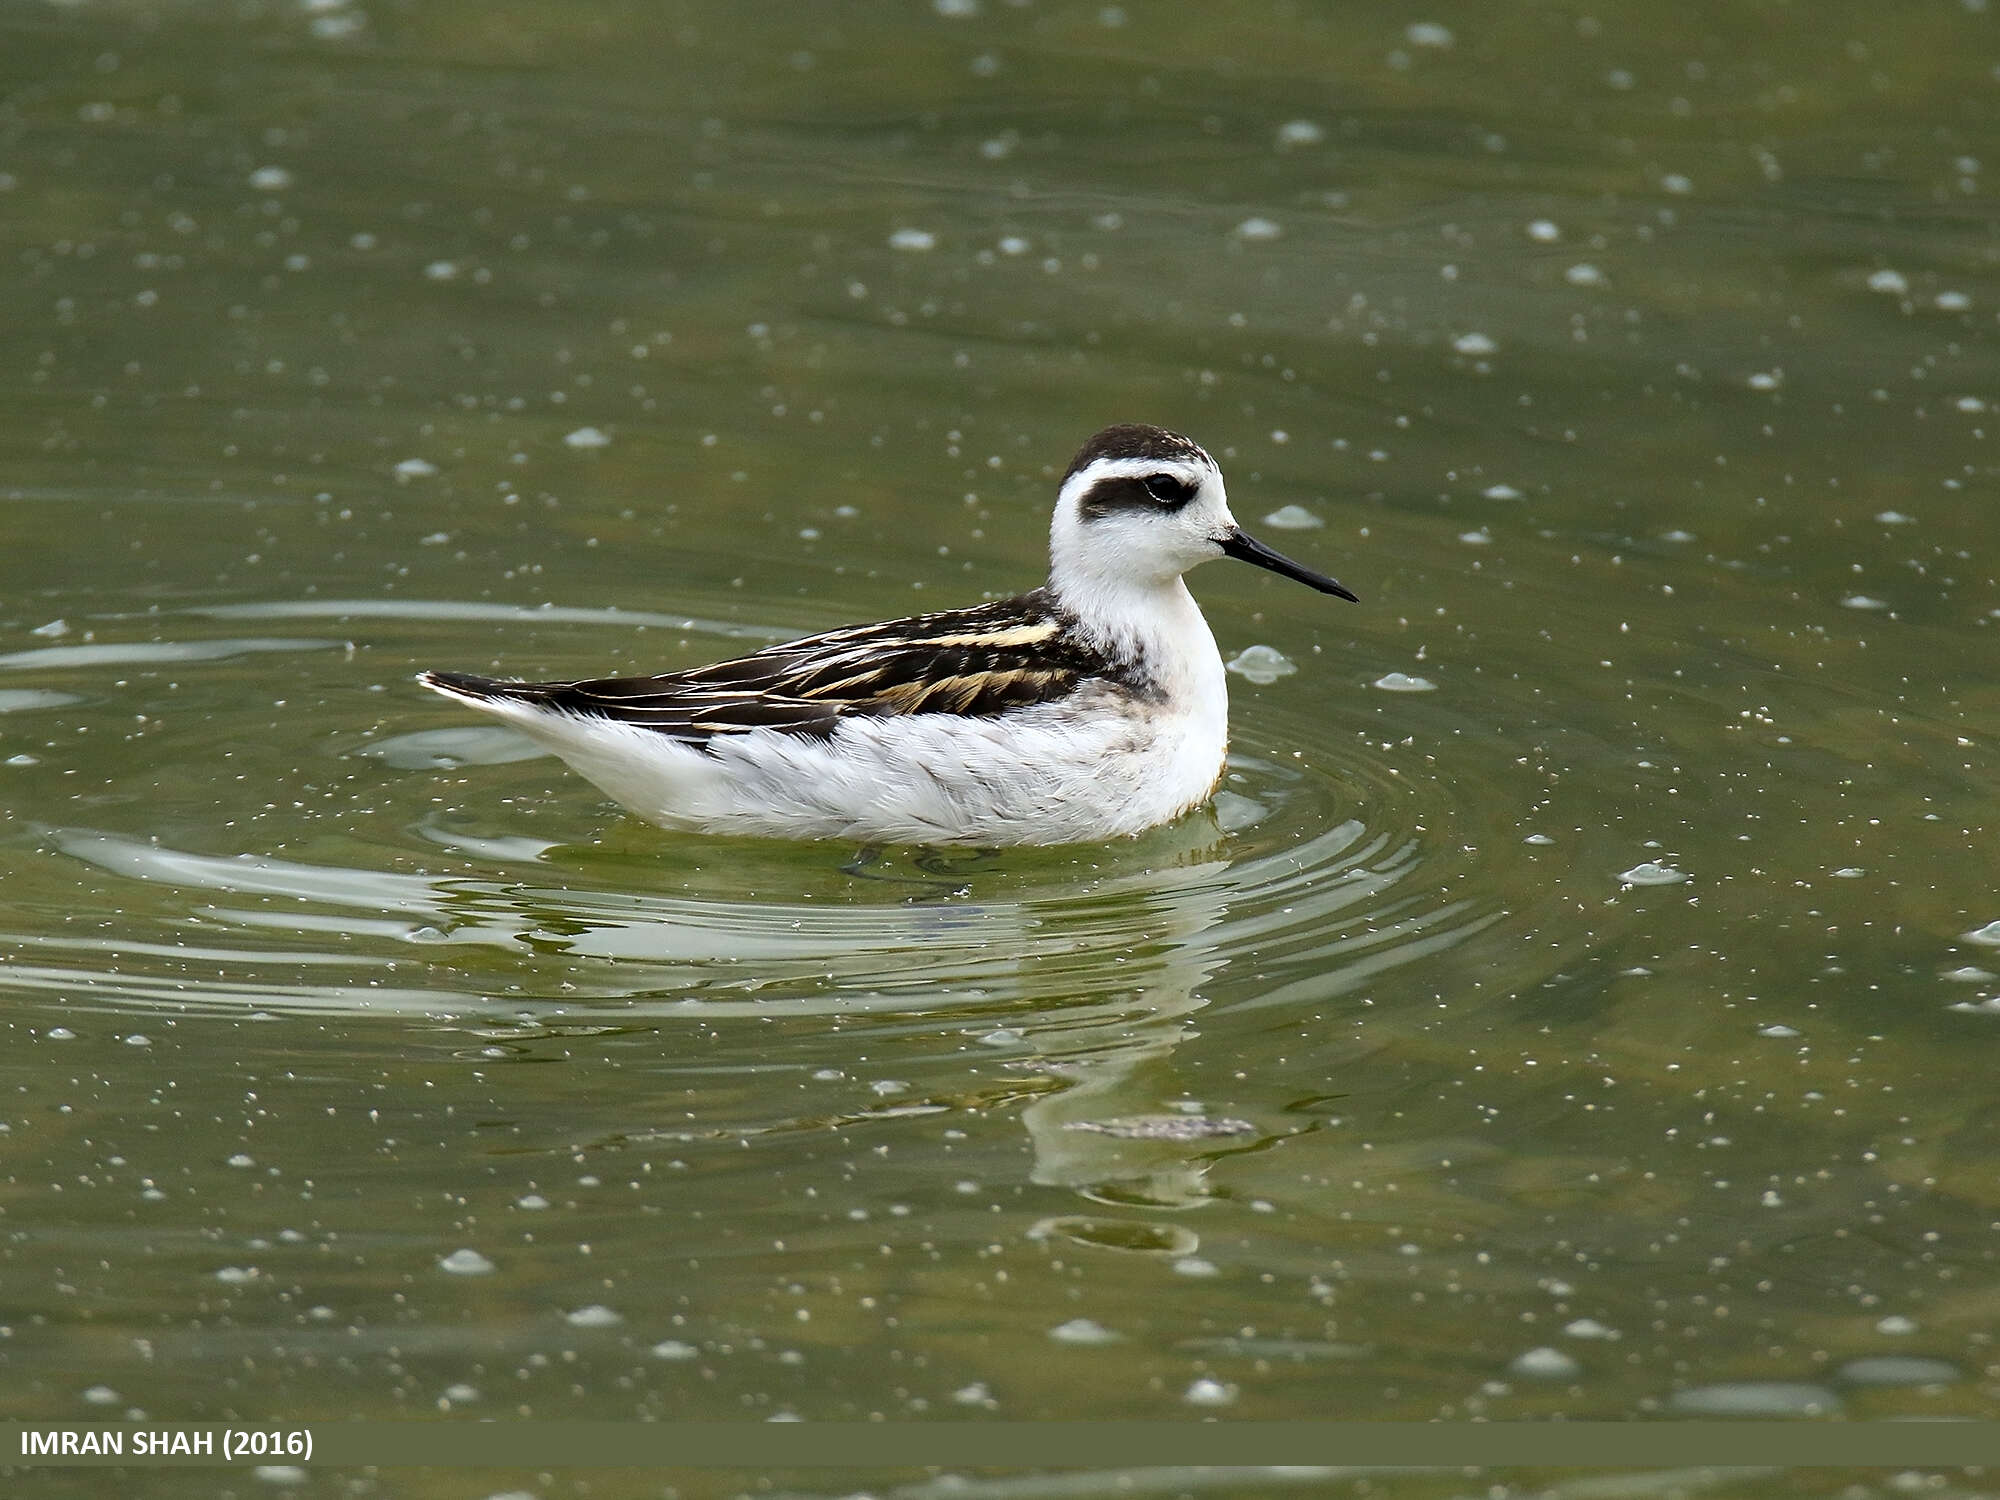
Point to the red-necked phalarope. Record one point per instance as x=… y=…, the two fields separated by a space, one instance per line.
x=1090 y=707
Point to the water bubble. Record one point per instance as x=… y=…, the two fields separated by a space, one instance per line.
x=1474 y=344
x=1544 y=1364
x=587 y=437
x=1300 y=133
x=1207 y=1392
x=1989 y=935
x=1899 y=1369
x=915 y=240
x=1501 y=492
x=1428 y=34
x=1584 y=274
x=1757 y=1398
x=270 y=179
x=1546 y=231
x=1258 y=229
x=1402 y=682
x=1261 y=664
x=1292 y=518
x=597 y=1315
x=102 y=1395
x=674 y=1349
x=1649 y=872
x=1864 y=601
x=414 y=468
x=1083 y=1331
x=1896 y=1325
x=466 y=1263
x=1893 y=283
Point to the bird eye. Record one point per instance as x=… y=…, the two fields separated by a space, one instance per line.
x=1168 y=489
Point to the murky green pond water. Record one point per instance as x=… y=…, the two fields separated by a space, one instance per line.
x=1581 y=1002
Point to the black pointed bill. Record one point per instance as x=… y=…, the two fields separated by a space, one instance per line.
x=1241 y=545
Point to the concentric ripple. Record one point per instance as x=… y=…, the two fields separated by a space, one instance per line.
x=453 y=875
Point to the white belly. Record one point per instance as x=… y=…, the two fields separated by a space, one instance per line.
x=1094 y=767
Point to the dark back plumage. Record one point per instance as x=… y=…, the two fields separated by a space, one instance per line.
x=978 y=662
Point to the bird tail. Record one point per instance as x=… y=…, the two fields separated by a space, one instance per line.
x=469 y=687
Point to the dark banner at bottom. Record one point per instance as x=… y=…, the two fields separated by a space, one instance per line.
x=1007 y=1445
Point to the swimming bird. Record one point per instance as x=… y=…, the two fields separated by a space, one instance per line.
x=1091 y=707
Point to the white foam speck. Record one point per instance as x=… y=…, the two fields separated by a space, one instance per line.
x=270 y=179
x=1474 y=344
x=913 y=240
x=1207 y=1392
x=1988 y=935
x=674 y=1349
x=1428 y=34
x=1890 y=283
x=1501 y=492
x=466 y=1263
x=414 y=468
x=597 y=1315
x=1546 y=231
x=1864 y=601
x=587 y=437
x=1258 y=229
x=1583 y=273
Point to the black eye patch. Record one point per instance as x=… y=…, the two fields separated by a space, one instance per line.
x=1150 y=493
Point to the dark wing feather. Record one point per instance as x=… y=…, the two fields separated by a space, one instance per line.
x=979 y=662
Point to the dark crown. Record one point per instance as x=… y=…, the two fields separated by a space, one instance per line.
x=1137 y=440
